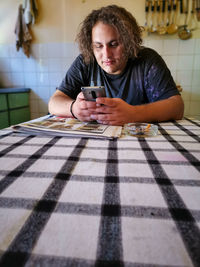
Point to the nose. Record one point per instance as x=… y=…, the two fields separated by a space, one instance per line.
x=107 y=51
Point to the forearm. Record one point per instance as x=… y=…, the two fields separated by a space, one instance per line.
x=59 y=104
x=164 y=110
x=114 y=111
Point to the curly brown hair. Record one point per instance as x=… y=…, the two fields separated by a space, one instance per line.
x=129 y=30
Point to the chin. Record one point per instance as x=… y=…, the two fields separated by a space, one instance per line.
x=110 y=70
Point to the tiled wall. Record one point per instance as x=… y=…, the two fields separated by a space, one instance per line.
x=45 y=69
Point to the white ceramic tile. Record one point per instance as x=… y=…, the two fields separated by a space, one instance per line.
x=31 y=79
x=185 y=62
x=55 y=50
x=43 y=78
x=66 y=63
x=17 y=78
x=174 y=75
x=186 y=93
x=70 y=50
x=4 y=65
x=184 y=78
x=55 y=64
x=52 y=90
x=43 y=50
x=195 y=95
x=170 y=47
x=196 y=78
x=4 y=51
x=43 y=92
x=29 y=65
x=195 y=108
x=186 y=108
x=42 y=65
x=14 y=53
x=16 y=65
x=197 y=46
x=171 y=62
x=197 y=62
x=156 y=45
x=186 y=46
x=55 y=78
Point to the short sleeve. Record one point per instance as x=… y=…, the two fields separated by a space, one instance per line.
x=159 y=83
x=75 y=78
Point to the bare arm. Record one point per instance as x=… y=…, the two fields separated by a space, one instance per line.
x=117 y=112
x=59 y=104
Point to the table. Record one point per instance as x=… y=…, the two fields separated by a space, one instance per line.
x=86 y=202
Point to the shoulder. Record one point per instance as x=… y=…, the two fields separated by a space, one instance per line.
x=148 y=58
x=79 y=61
x=147 y=53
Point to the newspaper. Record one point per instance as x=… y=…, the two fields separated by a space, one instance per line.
x=59 y=126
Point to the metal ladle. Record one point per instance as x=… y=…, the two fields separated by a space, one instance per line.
x=184 y=33
x=173 y=28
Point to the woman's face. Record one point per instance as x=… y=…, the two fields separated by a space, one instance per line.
x=107 y=48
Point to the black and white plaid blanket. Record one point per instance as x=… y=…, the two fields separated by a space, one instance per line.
x=86 y=202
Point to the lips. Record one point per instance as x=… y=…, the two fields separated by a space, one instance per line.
x=108 y=62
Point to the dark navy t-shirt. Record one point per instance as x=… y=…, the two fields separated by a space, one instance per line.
x=145 y=79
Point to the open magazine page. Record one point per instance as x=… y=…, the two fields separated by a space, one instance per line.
x=53 y=125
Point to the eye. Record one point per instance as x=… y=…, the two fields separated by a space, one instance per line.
x=97 y=46
x=114 y=44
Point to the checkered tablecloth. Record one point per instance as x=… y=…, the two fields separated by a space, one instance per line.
x=86 y=202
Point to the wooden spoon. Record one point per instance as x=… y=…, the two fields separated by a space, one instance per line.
x=198 y=9
x=146 y=15
x=153 y=13
x=192 y=24
x=162 y=29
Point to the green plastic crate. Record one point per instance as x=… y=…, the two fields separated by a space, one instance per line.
x=19 y=115
x=3 y=102
x=4 y=120
x=18 y=100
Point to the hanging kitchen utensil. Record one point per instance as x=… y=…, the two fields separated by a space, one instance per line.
x=146 y=15
x=173 y=27
x=158 y=14
x=184 y=33
x=198 y=9
x=192 y=23
x=168 y=13
x=162 y=26
x=153 y=16
x=181 y=13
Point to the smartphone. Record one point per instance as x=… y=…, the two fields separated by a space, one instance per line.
x=92 y=92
